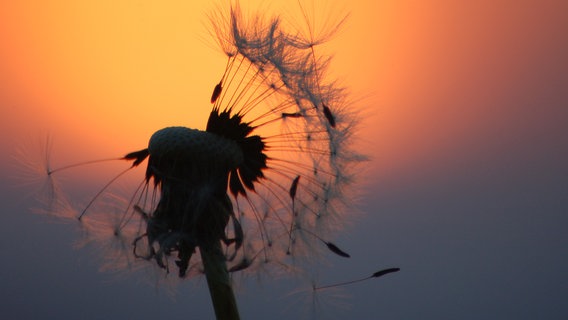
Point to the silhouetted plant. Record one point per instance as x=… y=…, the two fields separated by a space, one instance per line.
x=264 y=184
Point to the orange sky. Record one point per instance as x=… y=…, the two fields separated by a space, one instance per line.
x=104 y=69
x=102 y=76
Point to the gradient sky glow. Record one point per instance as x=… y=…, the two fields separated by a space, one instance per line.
x=464 y=113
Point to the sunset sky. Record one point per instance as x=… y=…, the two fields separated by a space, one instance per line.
x=464 y=108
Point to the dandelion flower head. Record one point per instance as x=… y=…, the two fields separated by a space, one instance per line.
x=269 y=176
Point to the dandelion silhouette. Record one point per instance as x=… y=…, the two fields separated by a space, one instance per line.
x=266 y=181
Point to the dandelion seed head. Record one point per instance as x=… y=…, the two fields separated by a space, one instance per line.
x=269 y=178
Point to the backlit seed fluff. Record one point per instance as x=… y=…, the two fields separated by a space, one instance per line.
x=269 y=174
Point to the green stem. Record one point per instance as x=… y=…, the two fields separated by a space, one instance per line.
x=219 y=282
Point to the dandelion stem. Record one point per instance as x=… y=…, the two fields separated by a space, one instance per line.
x=219 y=282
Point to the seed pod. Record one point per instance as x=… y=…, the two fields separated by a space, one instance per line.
x=329 y=116
x=336 y=250
x=216 y=92
x=383 y=272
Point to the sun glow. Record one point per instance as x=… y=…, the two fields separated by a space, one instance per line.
x=108 y=74
x=108 y=69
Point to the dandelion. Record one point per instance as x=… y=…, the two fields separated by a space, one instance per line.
x=265 y=184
